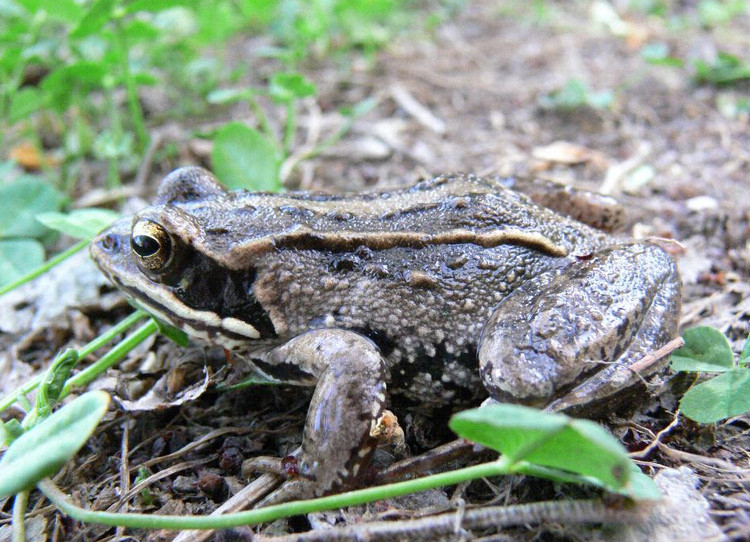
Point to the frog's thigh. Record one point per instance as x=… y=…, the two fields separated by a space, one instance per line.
x=573 y=335
x=349 y=396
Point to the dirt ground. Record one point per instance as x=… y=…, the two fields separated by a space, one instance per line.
x=468 y=99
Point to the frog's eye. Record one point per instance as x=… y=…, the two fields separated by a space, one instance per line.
x=151 y=244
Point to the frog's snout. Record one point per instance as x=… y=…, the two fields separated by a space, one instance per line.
x=108 y=242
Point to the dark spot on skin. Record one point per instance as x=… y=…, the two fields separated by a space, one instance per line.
x=378 y=270
x=618 y=472
x=287 y=372
x=363 y=252
x=339 y=216
x=384 y=343
x=299 y=212
x=343 y=262
x=217 y=231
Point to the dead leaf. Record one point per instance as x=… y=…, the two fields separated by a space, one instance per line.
x=30 y=158
x=564 y=152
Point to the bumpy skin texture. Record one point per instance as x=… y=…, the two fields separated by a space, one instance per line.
x=404 y=287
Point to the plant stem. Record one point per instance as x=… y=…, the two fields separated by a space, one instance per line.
x=46 y=266
x=270 y=513
x=290 y=127
x=19 y=511
x=134 y=105
x=111 y=333
x=119 y=351
x=113 y=173
x=261 y=117
x=82 y=353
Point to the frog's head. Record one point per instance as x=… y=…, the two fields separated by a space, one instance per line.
x=170 y=259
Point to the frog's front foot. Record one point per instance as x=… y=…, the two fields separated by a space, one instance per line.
x=344 y=420
x=571 y=337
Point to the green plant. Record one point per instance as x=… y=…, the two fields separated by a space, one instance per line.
x=575 y=94
x=531 y=442
x=725 y=70
x=21 y=235
x=260 y=158
x=244 y=156
x=657 y=53
x=715 y=13
x=29 y=212
x=706 y=350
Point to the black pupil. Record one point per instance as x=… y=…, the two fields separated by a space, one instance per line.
x=144 y=245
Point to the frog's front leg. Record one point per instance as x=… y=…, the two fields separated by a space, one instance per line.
x=349 y=398
x=571 y=337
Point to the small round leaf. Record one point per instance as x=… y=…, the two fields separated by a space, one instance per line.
x=706 y=350
x=551 y=440
x=722 y=397
x=243 y=158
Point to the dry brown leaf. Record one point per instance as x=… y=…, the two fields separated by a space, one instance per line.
x=30 y=158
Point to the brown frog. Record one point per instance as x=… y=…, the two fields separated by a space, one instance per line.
x=429 y=290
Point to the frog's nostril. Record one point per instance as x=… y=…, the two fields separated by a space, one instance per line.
x=110 y=242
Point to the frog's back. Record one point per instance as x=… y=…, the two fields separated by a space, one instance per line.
x=443 y=210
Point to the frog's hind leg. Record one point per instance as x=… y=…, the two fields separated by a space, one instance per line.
x=571 y=337
x=340 y=432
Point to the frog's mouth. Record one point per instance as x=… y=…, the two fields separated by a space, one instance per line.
x=202 y=299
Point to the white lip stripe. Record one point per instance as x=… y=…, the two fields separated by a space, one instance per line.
x=182 y=311
x=241 y=328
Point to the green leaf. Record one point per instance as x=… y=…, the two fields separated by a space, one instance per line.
x=10 y=10
x=229 y=95
x=21 y=201
x=725 y=70
x=552 y=440
x=41 y=451
x=138 y=30
x=575 y=94
x=94 y=20
x=153 y=5
x=657 y=53
x=62 y=82
x=54 y=381
x=81 y=223
x=705 y=349
x=722 y=397
x=12 y=429
x=745 y=354
x=25 y=101
x=285 y=87
x=177 y=336
x=63 y=10
x=360 y=108
x=18 y=257
x=243 y=158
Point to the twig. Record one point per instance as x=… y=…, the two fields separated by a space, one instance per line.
x=422 y=115
x=649 y=359
x=148 y=158
x=583 y=511
x=430 y=460
x=124 y=474
x=657 y=439
x=248 y=496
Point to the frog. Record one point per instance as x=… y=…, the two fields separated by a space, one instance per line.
x=457 y=286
